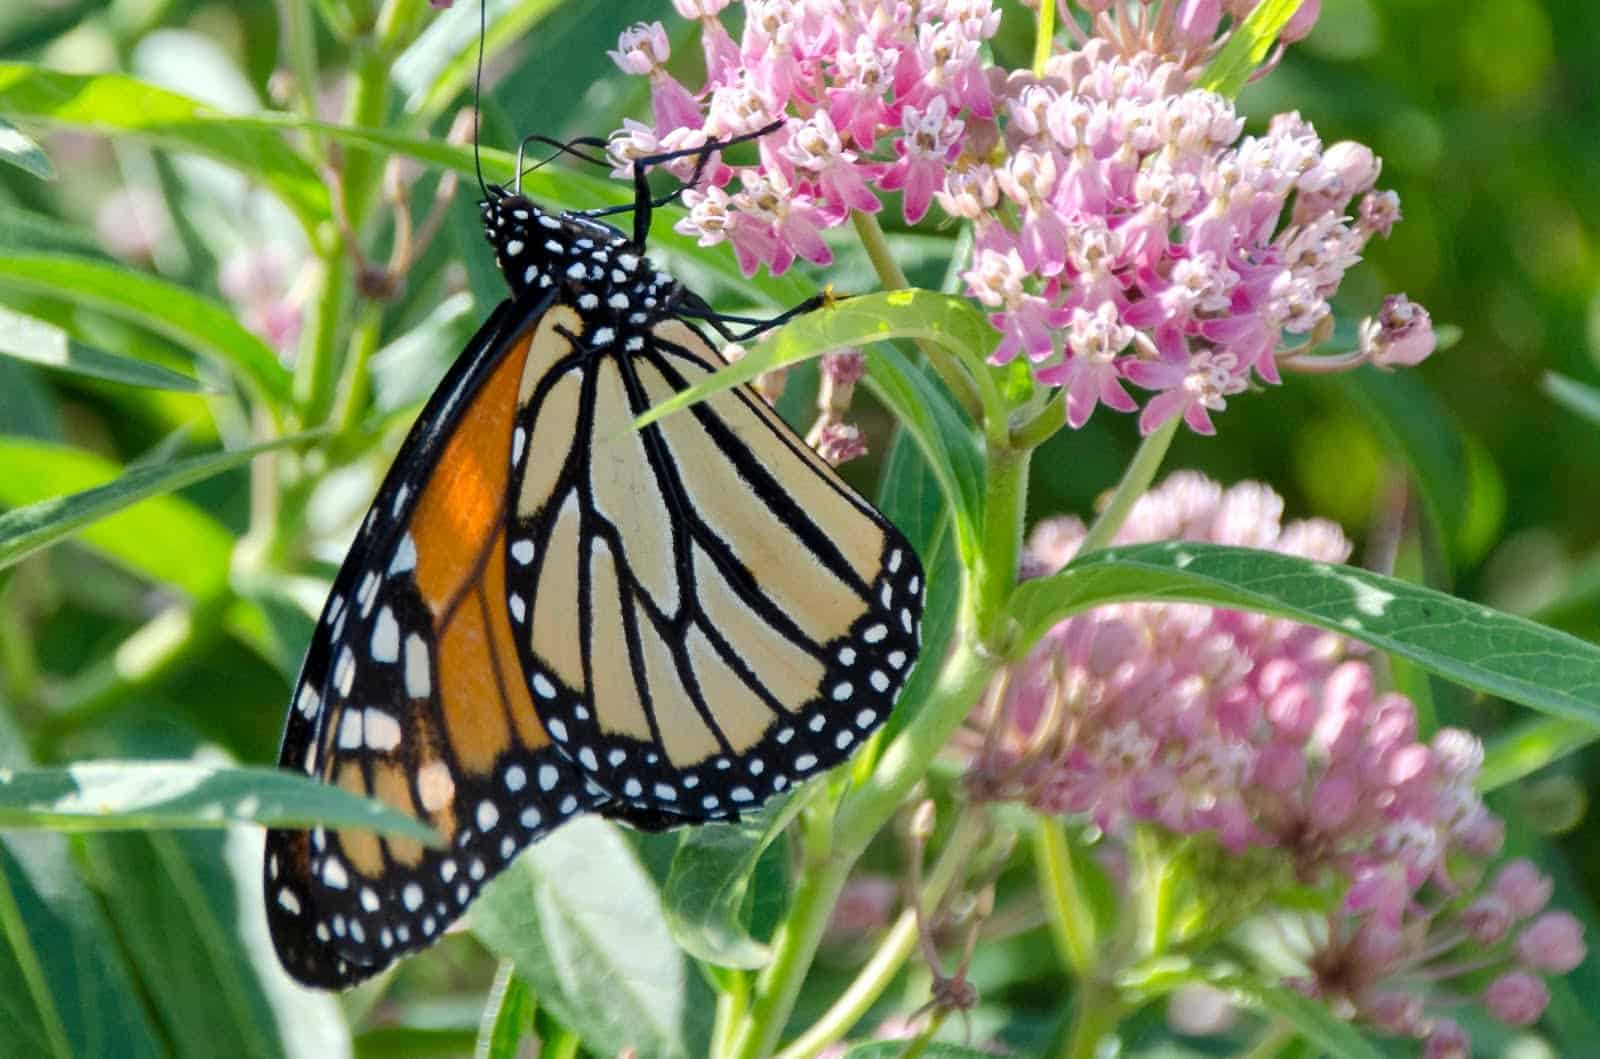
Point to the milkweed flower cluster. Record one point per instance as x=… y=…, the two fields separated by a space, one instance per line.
x=1126 y=232
x=1273 y=738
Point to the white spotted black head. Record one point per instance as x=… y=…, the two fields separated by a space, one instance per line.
x=538 y=250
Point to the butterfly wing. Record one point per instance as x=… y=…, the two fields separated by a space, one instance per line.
x=707 y=614
x=412 y=690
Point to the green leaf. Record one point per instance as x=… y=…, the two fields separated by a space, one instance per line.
x=440 y=64
x=1578 y=398
x=27 y=230
x=896 y=1049
x=205 y=326
x=942 y=319
x=507 y=1016
x=177 y=911
x=941 y=432
x=140 y=795
x=705 y=889
x=1311 y=1019
x=36 y=342
x=25 y=530
x=18 y=149
x=64 y=988
x=122 y=105
x=1530 y=746
x=1249 y=43
x=583 y=922
x=1495 y=653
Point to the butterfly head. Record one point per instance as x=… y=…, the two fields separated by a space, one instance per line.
x=537 y=250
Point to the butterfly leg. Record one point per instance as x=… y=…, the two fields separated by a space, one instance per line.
x=696 y=309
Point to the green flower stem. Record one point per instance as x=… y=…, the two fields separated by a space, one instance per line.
x=1044 y=37
x=1135 y=482
x=1042 y=425
x=733 y=993
x=317 y=366
x=959 y=383
x=1096 y=1012
x=1004 y=509
x=356 y=380
x=1071 y=921
x=895 y=948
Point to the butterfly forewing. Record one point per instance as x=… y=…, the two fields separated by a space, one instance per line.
x=412 y=693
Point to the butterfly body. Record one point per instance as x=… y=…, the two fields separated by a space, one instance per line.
x=547 y=612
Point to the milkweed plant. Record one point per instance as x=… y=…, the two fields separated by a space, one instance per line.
x=1168 y=769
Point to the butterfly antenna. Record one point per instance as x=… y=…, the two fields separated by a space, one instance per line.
x=477 y=96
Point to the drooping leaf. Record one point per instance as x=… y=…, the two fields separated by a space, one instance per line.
x=1496 y=653
x=204 y=326
x=140 y=795
x=17 y=148
x=198 y=557
x=36 y=342
x=583 y=923
x=125 y=106
x=507 y=1015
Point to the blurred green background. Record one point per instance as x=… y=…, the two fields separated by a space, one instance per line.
x=1486 y=116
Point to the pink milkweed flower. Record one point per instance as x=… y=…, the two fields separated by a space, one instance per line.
x=722 y=54
x=1027 y=321
x=931 y=138
x=1402 y=333
x=644 y=49
x=1517 y=998
x=819 y=154
x=794 y=220
x=1089 y=372
x=1192 y=389
x=1552 y=944
x=862 y=76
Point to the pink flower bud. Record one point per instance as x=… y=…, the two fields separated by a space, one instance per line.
x=841 y=442
x=440 y=5
x=1379 y=212
x=1517 y=998
x=1334 y=802
x=1197 y=22
x=845 y=367
x=1552 y=944
x=1401 y=334
x=1482 y=834
x=1394 y=1012
x=1447 y=1040
x=697 y=9
x=1487 y=919
x=1301 y=21
x=1523 y=887
x=1356 y=165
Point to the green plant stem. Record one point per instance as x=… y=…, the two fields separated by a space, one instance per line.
x=1044 y=37
x=1071 y=921
x=1004 y=509
x=1157 y=876
x=895 y=948
x=1095 y=1013
x=356 y=380
x=1135 y=481
x=317 y=367
x=960 y=385
x=1272 y=1041
x=300 y=41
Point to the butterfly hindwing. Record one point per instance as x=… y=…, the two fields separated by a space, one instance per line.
x=412 y=693
x=743 y=619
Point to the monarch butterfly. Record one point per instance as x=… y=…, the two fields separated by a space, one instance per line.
x=547 y=613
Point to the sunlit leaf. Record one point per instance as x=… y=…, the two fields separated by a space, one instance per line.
x=36 y=342
x=1471 y=644
x=1519 y=752
x=17 y=148
x=582 y=920
x=1248 y=45
x=1578 y=398
x=125 y=106
x=207 y=327
x=192 y=551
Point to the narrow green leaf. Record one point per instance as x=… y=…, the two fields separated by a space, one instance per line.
x=177 y=911
x=440 y=64
x=940 y=431
x=17 y=148
x=1313 y=1020
x=896 y=1049
x=141 y=795
x=507 y=1016
x=207 y=327
x=1499 y=654
x=1578 y=398
x=36 y=342
x=64 y=988
x=1525 y=749
x=25 y=530
x=945 y=320
x=118 y=104
x=1228 y=72
x=583 y=923
x=705 y=890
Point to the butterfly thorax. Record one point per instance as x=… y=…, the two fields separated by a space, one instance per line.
x=602 y=271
